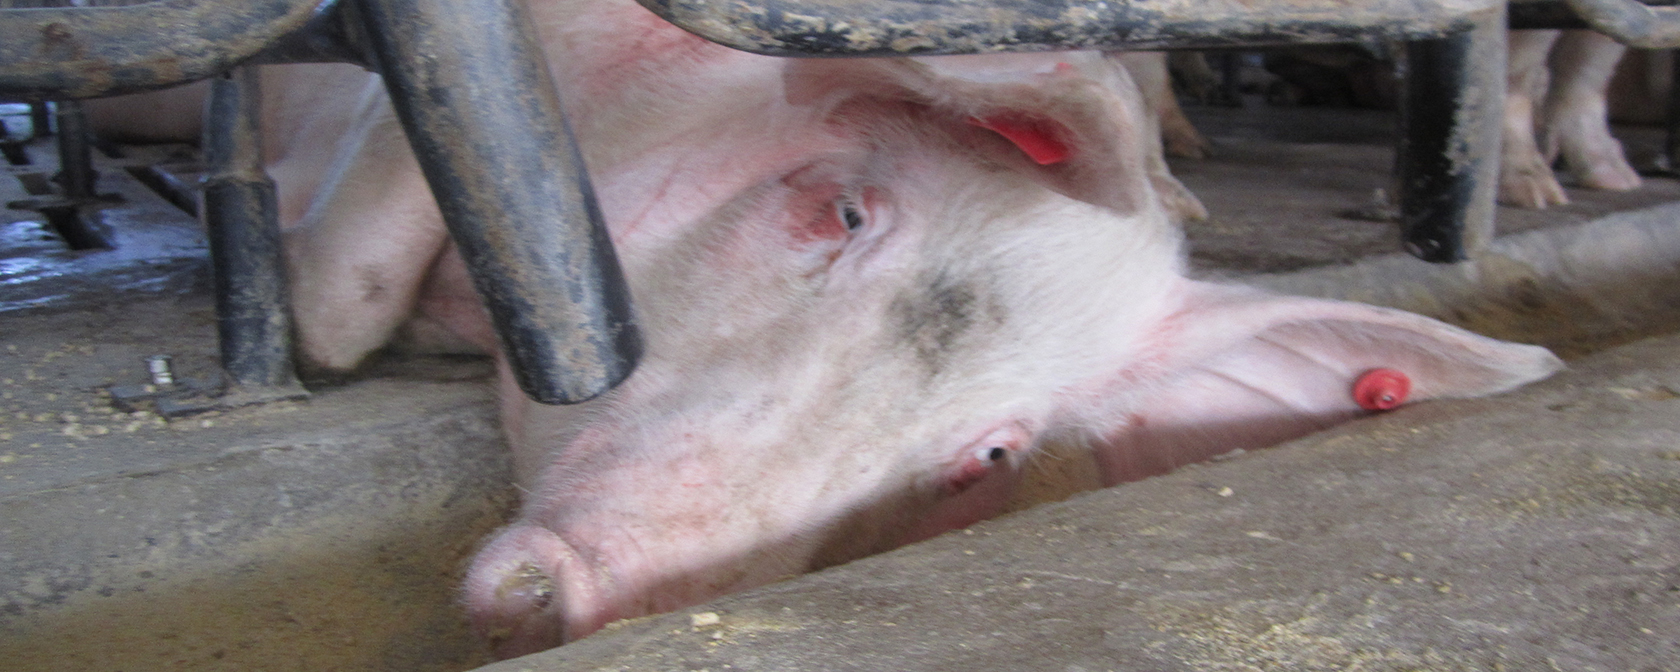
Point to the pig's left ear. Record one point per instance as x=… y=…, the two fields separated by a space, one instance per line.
x=1239 y=368
x=1074 y=121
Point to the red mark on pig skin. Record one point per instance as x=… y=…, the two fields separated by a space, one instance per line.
x=1035 y=139
x=1381 y=389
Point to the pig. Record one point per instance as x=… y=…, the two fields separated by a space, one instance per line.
x=1565 y=116
x=870 y=290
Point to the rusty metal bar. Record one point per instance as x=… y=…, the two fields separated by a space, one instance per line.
x=475 y=96
x=240 y=215
x=1632 y=23
x=83 y=52
x=911 y=27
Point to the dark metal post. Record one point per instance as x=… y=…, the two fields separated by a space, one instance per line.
x=39 y=126
x=1449 y=147
x=474 y=94
x=244 y=230
x=1672 y=155
x=75 y=152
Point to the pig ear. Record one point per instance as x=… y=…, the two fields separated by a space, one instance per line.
x=1238 y=368
x=1073 y=121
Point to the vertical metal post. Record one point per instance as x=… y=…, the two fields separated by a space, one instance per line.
x=244 y=229
x=38 y=120
x=1672 y=146
x=1449 y=146
x=75 y=152
x=474 y=94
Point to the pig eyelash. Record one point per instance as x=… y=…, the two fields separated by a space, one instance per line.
x=851 y=214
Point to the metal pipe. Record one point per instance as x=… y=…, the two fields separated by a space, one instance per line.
x=253 y=322
x=474 y=94
x=83 y=52
x=1632 y=23
x=1672 y=141
x=900 y=27
x=1450 y=140
x=76 y=175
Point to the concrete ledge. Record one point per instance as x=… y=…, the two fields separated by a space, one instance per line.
x=326 y=535
x=1539 y=530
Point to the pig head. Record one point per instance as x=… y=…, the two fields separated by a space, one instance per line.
x=858 y=341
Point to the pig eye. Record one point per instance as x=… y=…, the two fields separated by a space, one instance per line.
x=850 y=214
x=994 y=454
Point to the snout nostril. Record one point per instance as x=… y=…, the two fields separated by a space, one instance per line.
x=527 y=584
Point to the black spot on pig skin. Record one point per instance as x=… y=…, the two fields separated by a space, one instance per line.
x=931 y=322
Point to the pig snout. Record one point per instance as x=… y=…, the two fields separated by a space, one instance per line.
x=513 y=597
x=647 y=514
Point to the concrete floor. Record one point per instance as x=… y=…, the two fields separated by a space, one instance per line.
x=1533 y=530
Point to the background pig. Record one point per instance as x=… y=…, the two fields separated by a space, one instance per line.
x=1555 y=106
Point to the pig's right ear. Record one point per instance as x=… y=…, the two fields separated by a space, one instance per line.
x=1234 y=367
x=1072 y=121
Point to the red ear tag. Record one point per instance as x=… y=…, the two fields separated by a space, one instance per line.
x=1381 y=389
x=1038 y=142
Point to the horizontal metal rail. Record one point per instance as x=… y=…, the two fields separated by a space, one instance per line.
x=1632 y=23
x=83 y=52
x=899 y=27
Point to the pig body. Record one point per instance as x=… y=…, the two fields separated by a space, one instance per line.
x=1555 y=106
x=870 y=290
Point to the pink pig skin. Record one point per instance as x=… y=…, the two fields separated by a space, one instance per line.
x=863 y=311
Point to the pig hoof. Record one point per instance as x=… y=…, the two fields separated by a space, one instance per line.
x=1593 y=156
x=1182 y=205
x=1535 y=191
x=1609 y=173
x=1186 y=143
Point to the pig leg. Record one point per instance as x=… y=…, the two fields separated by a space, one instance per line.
x=1149 y=70
x=357 y=259
x=1576 y=123
x=1525 y=176
x=1199 y=80
x=1178 y=135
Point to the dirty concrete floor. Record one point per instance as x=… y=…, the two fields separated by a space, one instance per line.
x=329 y=533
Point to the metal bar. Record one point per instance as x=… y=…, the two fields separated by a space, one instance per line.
x=1544 y=14
x=82 y=52
x=76 y=175
x=899 y=27
x=244 y=229
x=1449 y=146
x=475 y=96
x=1672 y=142
x=39 y=120
x=1632 y=23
